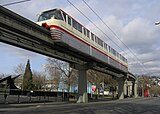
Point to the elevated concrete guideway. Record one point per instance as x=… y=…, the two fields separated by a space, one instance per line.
x=21 y=32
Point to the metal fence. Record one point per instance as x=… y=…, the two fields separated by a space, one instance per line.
x=28 y=99
x=19 y=96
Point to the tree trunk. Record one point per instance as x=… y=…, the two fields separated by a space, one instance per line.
x=68 y=91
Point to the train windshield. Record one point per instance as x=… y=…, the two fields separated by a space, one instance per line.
x=56 y=14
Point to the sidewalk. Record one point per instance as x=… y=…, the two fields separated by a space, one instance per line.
x=29 y=104
x=23 y=105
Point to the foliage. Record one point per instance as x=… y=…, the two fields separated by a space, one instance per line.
x=54 y=74
x=61 y=71
x=149 y=83
x=38 y=80
x=98 y=78
x=3 y=75
x=27 y=78
x=19 y=69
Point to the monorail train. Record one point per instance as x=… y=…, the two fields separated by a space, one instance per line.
x=68 y=31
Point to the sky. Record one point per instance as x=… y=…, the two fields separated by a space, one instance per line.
x=133 y=22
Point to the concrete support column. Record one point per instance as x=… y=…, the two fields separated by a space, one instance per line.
x=142 y=90
x=135 y=88
x=125 y=87
x=82 y=84
x=120 y=88
x=129 y=90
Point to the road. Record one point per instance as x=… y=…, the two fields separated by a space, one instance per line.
x=126 y=106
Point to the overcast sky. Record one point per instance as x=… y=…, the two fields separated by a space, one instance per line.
x=131 y=20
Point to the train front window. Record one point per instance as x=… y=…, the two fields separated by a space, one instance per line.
x=56 y=14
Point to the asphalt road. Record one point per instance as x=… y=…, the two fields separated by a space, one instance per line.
x=126 y=106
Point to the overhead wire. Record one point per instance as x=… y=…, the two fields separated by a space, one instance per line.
x=12 y=3
x=95 y=25
x=113 y=32
x=104 y=32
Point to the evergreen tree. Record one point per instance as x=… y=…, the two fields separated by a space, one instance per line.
x=27 y=78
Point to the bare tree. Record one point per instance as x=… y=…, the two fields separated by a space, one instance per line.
x=54 y=73
x=95 y=78
x=2 y=75
x=100 y=79
x=68 y=75
x=19 y=69
x=38 y=80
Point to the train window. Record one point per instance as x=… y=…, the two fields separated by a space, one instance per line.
x=114 y=52
x=56 y=14
x=88 y=33
x=100 y=42
x=118 y=55
x=96 y=39
x=74 y=24
x=84 y=31
x=123 y=58
x=69 y=20
x=92 y=36
x=105 y=46
x=109 y=48
x=64 y=15
x=79 y=27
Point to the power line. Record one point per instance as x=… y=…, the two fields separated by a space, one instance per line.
x=105 y=33
x=8 y=4
x=112 y=31
x=95 y=25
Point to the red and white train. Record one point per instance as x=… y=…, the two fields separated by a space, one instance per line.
x=67 y=30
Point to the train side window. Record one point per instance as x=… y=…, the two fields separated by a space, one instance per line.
x=74 y=24
x=109 y=48
x=88 y=33
x=100 y=42
x=118 y=55
x=92 y=36
x=79 y=27
x=105 y=46
x=114 y=52
x=69 y=20
x=121 y=57
x=96 y=39
x=84 y=31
